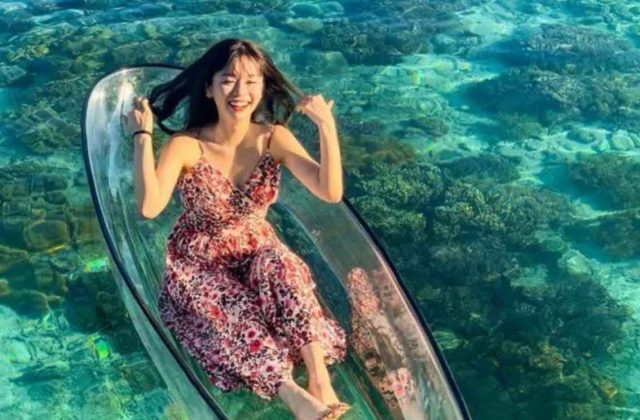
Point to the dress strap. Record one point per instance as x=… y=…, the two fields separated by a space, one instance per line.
x=196 y=134
x=273 y=128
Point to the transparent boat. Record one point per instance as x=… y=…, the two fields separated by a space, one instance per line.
x=394 y=369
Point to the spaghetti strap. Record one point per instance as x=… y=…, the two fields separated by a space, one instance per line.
x=196 y=134
x=273 y=127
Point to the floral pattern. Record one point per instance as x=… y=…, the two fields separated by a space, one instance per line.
x=376 y=341
x=235 y=296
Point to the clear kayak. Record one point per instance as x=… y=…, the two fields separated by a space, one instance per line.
x=394 y=368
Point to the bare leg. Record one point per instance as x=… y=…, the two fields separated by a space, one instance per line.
x=319 y=379
x=303 y=405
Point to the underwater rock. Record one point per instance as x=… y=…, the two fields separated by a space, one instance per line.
x=42 y=129
x=326 y=61
x=304 y=25
x=405 y=187
x=31 y=303
x=152 y=51
x=434 y=127
x=10 y=75
x=306 y=10
x=551 y=241
x=44 y=371
x=588 y=135
x=10 y=256
x=575 y=263
x=15 y=18
x=141 y=376
x=44 y=234
x=57 y=17
x=447 y=340
x=48 y=280
x=623 y=140
x=395 y=224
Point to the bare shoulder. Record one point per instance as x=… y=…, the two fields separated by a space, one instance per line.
x=280 y=138
x=183 y=147
x=286 y=147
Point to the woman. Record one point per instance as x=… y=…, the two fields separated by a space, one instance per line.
x=240 y=301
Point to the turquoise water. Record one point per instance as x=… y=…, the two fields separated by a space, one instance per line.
x=492 y=146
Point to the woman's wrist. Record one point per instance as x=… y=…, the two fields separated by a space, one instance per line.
x=141 y=135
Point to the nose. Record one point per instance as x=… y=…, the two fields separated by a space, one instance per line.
x=239 y=89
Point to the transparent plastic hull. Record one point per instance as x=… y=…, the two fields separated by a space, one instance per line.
x=394 y=368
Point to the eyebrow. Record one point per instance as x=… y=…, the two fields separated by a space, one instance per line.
x=233 y=75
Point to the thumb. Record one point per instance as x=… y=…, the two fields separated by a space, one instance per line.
x=331 y=103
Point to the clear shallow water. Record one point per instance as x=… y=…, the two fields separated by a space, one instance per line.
x=498 y=139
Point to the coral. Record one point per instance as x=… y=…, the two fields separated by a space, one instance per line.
x=369 y=42
x=393 y=223
x=464 y=213
x=570 y=49
x=618 y=233
x=434 y=127
x=513 y=126
x=616 y=178
x=152 y=51
x=525 y=210
x=42 y=128
x=551 y=98
x=405 y=186
x=483 y=169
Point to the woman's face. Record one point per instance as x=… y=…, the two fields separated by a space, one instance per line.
x=237 y=89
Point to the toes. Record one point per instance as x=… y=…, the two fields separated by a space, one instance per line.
x=338 y=409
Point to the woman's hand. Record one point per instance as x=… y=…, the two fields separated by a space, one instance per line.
x=139 y=118
x=316 y=108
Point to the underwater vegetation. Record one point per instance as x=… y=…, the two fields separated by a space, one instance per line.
x=530 y=344
x=615 y=180
x=502 y=268
x=615 y=177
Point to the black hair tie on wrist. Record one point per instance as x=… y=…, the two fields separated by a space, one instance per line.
x=141 y=132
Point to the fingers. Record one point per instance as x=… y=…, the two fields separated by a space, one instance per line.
x=140 y=102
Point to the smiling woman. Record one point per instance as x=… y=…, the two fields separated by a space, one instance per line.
x=227 y=185
x=237 y=304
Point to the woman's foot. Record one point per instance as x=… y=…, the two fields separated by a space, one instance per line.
x=325 y=394
x=304 y=405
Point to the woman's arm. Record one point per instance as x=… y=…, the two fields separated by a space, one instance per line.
x=324 y=181
x=154 y=186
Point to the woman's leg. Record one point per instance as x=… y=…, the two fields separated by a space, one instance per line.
x=319 y=378
x=302 y=404
x=284 y=284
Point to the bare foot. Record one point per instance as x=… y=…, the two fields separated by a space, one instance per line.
x=324 y=393
x=303 y=405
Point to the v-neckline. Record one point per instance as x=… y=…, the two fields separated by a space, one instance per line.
x=226 y=179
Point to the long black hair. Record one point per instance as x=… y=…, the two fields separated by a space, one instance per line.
x=277 y=104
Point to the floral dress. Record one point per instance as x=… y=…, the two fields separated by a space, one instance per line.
x=235 y=296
